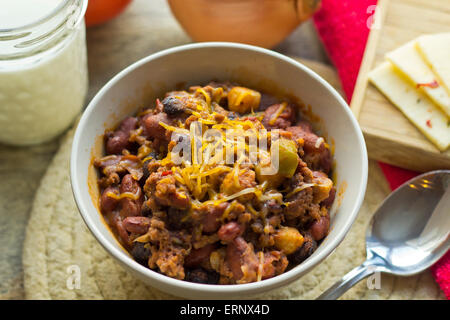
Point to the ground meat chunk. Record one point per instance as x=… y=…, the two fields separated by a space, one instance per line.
x=166 y=254
x=176 y=218
x=246 y=180
x=170 y=261
x=301 y=204
x=285 y=119
x=163 y=188
x=274 y=264
x=150 y=166
x=109 y=180
x=298 y=204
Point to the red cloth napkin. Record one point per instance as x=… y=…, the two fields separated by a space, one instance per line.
x=343 y=26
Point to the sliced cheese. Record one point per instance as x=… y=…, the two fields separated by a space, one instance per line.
x=409 y=62
x=414 y=104
x=435 y=50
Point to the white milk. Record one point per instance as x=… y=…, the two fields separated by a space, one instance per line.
x=40 y=93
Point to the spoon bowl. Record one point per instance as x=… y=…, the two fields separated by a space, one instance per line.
x=408 y=233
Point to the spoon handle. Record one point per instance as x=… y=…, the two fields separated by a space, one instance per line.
x=348 y=281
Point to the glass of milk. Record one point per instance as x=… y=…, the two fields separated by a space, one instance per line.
x=43 y=68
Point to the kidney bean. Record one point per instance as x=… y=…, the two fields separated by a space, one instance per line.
x=328 y=202
x=235 y=250
x=211 y=217
x=319 y=228
x=229 y=231
x=325 y=159
x=130 y=207
x=128 y=184
x=284 y=120
x=152 y=126
x=123 y=234
x=139 y=225
x=117 y=141
x=197 y=256
x=107 y=203
x=267 y=100
x=128 y=124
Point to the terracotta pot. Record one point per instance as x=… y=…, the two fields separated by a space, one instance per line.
x=263 y=23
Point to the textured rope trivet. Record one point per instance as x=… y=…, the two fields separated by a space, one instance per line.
x=58 y=242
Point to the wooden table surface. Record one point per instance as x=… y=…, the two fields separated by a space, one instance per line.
x=145 y=27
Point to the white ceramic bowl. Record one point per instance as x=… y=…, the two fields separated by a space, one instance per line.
x=142 y=82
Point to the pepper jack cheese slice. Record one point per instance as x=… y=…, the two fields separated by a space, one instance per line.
x=408 y=61
x=435 y=50
x=414 y=104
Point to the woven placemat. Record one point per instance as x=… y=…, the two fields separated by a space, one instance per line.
x=57 y=239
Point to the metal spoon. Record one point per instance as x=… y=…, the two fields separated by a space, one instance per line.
x=409 y=232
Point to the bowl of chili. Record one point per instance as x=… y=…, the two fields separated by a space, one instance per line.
x=221 y=230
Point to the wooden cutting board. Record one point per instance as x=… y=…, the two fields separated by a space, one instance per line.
x=390 y=137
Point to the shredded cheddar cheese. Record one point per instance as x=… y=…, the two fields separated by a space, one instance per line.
x=123 y=195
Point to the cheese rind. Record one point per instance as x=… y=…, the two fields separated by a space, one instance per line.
x=413 y=103
x=410 y=64
x=435 y=50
